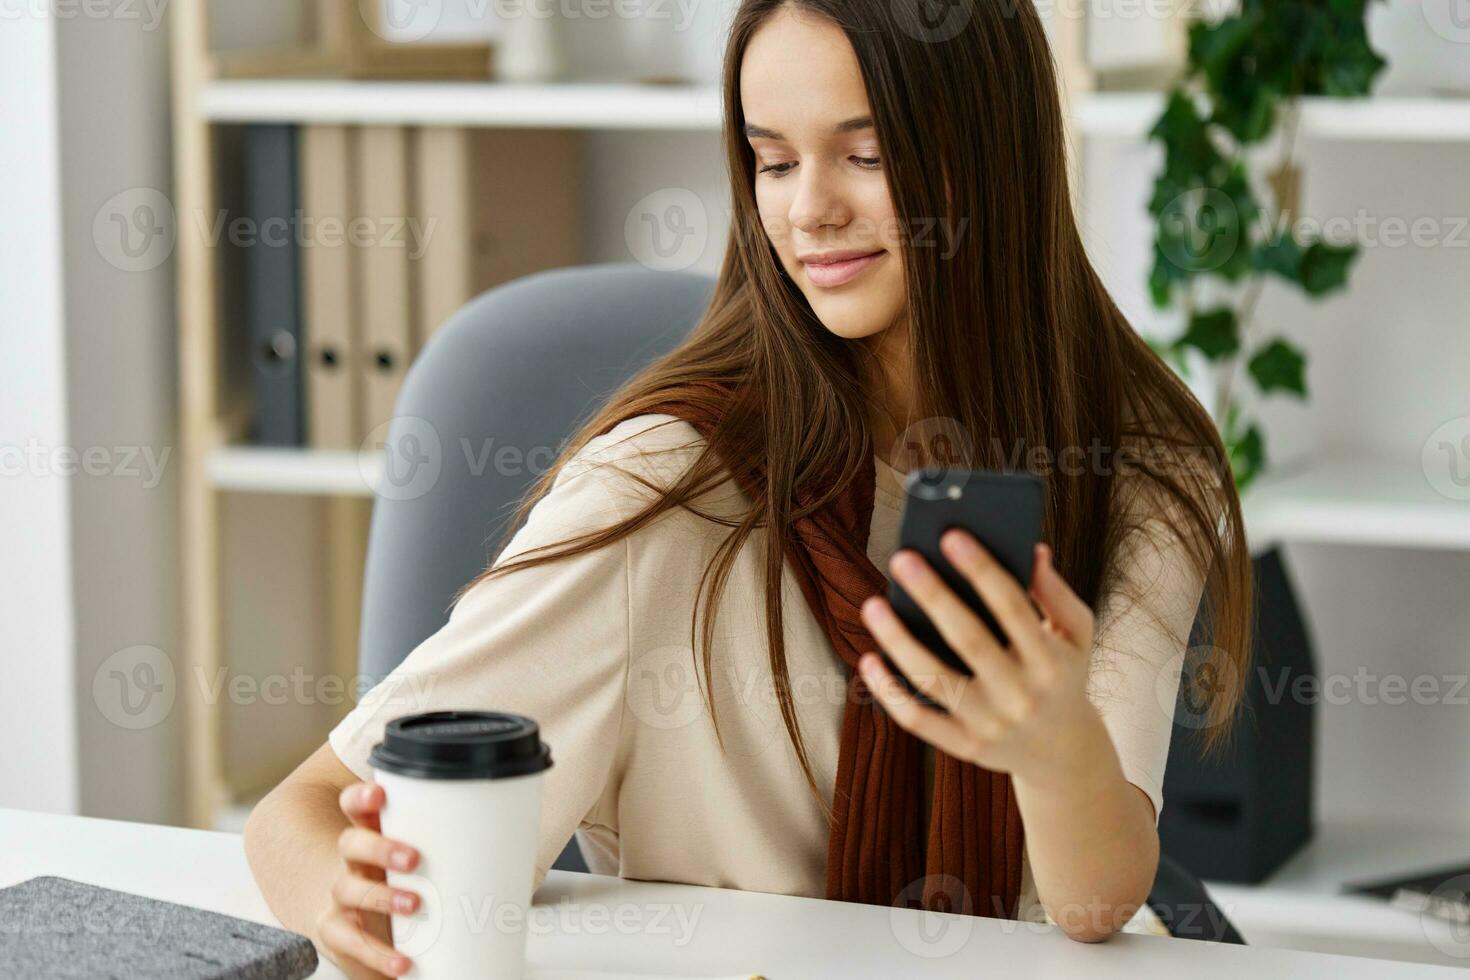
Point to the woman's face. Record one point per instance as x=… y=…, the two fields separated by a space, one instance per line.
x=819 y=183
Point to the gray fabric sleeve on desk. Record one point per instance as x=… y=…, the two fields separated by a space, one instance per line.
x=56 y=927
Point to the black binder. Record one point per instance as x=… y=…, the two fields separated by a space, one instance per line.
x=273 y=284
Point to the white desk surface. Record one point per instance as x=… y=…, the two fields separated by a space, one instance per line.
x=643 y=929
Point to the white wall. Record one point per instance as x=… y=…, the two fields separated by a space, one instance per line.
x=36 y=650
x=88 y=567
x=1425 y=44
x=675 y=180
x=122 y=397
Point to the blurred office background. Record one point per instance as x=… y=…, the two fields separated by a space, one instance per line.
x=184 y=531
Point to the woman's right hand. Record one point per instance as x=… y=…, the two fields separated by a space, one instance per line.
x=355 y=929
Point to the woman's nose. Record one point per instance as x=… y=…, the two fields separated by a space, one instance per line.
x=818 y=203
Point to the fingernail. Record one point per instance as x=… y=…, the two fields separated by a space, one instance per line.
x=402 y=858
x=403 y=903
x=905 y=564
x=400 y=964
x=960 y=544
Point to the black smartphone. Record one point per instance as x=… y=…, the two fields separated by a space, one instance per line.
x=1004 y=511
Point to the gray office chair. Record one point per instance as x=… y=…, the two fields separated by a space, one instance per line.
x=520 y=367
x=517 y=369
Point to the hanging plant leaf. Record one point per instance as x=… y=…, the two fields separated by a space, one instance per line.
x=1282 y=256
x=1206 y=231
x=1245 y=448
x=1245 y=211
x=1214 y=49
x=1351 y=66
x=1280 y=367
x=1188 y=149
x=1250 y=117
x=1241 y=71
x=1324 y=267
x=1247 y=458
x=1161 y=280
x=1215 y=333
x=1246 y=71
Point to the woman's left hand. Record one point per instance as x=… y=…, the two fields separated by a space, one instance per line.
x=1025 y=710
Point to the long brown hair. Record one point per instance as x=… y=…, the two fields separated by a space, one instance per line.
x=1012 y=339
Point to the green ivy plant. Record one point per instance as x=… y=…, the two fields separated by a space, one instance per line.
x=1216 y=235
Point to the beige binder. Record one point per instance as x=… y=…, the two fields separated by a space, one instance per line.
x=492 y=205
x=384 y=283
x=329 y=296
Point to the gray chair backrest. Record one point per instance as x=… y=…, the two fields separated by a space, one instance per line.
x=490 y=402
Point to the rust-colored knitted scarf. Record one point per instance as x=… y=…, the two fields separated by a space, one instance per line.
x=877 y=853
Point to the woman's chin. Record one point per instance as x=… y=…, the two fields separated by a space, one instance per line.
x=849 y=331
x=851 y=320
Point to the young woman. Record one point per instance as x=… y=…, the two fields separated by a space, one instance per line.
x=692 y=607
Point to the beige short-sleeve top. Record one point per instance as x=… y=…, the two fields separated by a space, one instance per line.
x=597 y=650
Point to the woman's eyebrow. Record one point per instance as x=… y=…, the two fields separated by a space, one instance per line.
x=753 y=131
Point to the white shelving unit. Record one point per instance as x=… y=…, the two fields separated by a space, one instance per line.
x=581 y=105
x=1351 y=502
x=1302 y=905
x=628 y=106
x=1130 y=115
x=1357 y=502
x=307 y=472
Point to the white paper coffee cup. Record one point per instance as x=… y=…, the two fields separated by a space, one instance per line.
x=464 y=788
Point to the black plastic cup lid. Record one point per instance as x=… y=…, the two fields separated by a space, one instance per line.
x=462 y=745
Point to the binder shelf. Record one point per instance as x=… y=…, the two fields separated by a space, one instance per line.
x=567 y=105
x=308 y=472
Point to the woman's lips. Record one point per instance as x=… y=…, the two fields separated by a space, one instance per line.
x=831 y=274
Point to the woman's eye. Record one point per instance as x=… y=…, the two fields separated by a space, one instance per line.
x=780 y=169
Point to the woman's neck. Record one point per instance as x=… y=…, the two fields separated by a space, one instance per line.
x=886 y=377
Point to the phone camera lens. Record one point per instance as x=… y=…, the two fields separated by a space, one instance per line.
x=934 y=483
